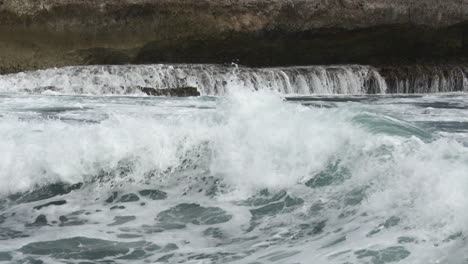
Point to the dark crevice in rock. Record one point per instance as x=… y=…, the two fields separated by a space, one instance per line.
x=38 y=34
x=179 y=92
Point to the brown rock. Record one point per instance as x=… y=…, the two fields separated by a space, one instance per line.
x=36 y=34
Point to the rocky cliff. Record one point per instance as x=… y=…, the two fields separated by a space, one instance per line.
x=37 y=34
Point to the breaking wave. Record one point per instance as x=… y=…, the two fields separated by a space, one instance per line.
x=247 y=178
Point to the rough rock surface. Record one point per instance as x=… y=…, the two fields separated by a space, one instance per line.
x=38 y=34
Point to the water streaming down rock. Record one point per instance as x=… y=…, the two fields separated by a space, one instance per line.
x=209 y=79
x=426 y=78
x=213 y=79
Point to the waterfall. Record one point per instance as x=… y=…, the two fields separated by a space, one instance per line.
x=217 y=80
x=209 y=79
x=426 y=79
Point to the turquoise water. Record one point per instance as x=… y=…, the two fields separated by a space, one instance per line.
x=251 y=177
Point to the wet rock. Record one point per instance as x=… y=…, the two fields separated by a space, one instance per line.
x=127 y=198
x=103 y=56
x=424 y=78
x=62 y=33
x=57 y=203
x=153 y=194
x=176 y=92
x=42 y=89
x=195 y=214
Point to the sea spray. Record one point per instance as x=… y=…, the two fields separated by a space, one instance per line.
x=250 y=177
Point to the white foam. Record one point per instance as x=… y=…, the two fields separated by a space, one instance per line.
x=209 y=79
x=251 y=141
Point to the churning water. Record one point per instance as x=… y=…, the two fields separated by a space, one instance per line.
x=250 y=177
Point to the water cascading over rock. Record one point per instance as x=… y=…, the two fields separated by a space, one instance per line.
x=209 y=79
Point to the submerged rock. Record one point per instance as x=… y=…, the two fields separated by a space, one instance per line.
x=176 y=92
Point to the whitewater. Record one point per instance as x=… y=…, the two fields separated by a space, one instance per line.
x=316 y=164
